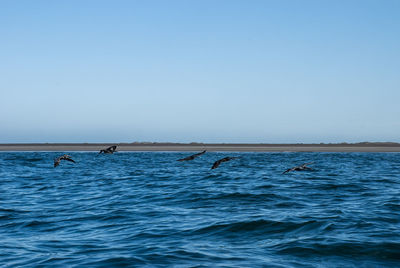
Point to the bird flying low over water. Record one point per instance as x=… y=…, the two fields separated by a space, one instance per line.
x=192 y=156
x=225 y=159
x=63 y=157
x=109 y=150
x=299 y=168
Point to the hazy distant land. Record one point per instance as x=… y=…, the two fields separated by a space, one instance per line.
x=213 y=147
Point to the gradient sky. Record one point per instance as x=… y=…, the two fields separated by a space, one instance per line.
x=203 y=71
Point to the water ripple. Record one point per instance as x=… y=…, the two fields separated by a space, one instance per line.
x=147 y=209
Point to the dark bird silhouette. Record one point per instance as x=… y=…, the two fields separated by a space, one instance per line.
x=109 y=150
x=191 y=157
x=225 y=159
x=299 y=168
x=63 y=157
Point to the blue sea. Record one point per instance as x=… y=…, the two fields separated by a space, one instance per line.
x=145 y=209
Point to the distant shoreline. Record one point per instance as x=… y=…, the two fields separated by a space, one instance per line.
x=212 y=147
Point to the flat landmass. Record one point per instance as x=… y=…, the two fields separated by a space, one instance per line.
x=212 y=147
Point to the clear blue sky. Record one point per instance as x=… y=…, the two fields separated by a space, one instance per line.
x=205 y=71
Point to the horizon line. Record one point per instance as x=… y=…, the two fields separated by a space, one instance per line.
x=203 y=143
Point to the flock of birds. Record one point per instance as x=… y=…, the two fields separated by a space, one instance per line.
x=113 y=149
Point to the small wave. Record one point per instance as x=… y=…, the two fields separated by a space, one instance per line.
x=36 y=223
x=392 y=206
x=11 y=158
x=212 y=176
x=386 y=180
x=383 y=251
x=34 y=159
x=171 y=257
x=6 y=217
x=266 y=186
x=247 y=197
x=289 y=204
x=10 y=210
x=338 y=187
x=44 y=188
x=116 y=261
x=263 y=226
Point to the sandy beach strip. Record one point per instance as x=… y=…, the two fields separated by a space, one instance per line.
x=182 y=147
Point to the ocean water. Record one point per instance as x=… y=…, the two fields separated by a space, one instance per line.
x=145 y=209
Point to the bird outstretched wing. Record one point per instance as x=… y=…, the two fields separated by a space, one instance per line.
x=112 y=148
x=191 y=157
x=109 y=150
x=216 y=164
x=225 y=159
x=69 y=159
x=288 y=170
x=63 y=157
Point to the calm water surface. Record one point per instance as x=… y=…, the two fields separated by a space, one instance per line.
x=147 y=209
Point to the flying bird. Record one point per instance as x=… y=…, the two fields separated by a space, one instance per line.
x=63 y=157
x=191 y=157
x=299 y=168
x=109 y=150
x=225 y=159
